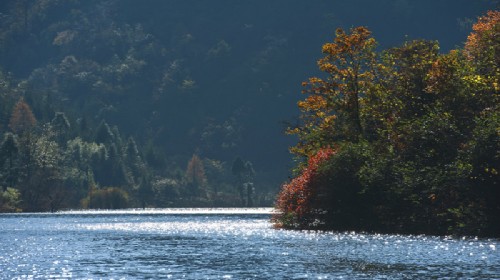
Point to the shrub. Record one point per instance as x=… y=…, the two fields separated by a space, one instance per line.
x=107 y=198
x=295 y=201
x=10 y=200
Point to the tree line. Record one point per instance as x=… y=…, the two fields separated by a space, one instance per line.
x=61 y=164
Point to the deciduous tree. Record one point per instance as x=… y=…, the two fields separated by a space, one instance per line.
x=22 y=119
x=331 y=110
x=195 y=175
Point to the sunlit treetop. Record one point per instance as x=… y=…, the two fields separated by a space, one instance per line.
x=332 y=106
x=486 y=30
x=483 y=47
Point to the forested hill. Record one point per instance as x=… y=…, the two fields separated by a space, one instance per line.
x=126 y=93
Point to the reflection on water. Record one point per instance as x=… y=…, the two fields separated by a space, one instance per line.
x=223 y=243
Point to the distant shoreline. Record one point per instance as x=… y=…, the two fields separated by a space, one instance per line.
x=158 y=211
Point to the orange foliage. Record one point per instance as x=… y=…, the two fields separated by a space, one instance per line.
x=347 y=56
x=482 y=32
x=443 y=73
x=195 y=173
x=22 y=118
x=349 y=63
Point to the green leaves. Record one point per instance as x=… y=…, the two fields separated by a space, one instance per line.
x=424 y=157
x=331 y=110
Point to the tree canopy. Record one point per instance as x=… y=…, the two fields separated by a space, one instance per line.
x=402 y=140
x=103 y=103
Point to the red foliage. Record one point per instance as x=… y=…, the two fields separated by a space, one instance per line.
x=296 y=197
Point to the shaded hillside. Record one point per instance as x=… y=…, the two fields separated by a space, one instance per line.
x=215 y=79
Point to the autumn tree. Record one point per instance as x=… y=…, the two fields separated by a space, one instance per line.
x=22 y=122
x=332 y=114
x=417 y=153
x=331 y=110
x=483 y=45
x=22 y=119
x=482 y=50
x=195 y=175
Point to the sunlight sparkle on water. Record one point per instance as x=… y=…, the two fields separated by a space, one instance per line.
x=223 y=243
x=174 y=211
x=219 y=227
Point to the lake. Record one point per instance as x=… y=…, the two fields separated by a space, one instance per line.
x=224 y=244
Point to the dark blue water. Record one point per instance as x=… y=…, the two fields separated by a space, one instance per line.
x=227 y=244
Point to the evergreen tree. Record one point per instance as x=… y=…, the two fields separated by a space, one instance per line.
x=61 y=126
x=9 y=150
x=103 y=134
x=244 y=173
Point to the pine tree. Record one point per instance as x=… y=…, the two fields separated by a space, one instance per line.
x=9 y=150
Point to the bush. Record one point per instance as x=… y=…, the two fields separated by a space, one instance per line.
x=108 y=198
x=296 y=201
x=10 y=200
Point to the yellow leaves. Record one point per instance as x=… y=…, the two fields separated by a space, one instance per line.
x=328 y=122
x=492 y=171
x=313 y=81
x=330 y=48
x=313 y=102
x=302 y=104
x=327 y=67
x=292 y=131
x=349 y=56
x=320 y=114
x=339 y=32
x=349 y=63
x=474 y=79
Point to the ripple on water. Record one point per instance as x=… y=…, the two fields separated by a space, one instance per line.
x=241 y=244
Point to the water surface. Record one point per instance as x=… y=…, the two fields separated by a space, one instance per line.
x=224 y=243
